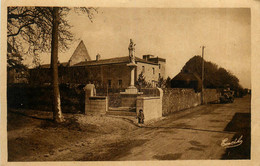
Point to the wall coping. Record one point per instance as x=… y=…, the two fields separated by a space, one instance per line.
x=148 y=98
x=97 y=97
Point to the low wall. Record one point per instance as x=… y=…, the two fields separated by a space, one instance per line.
x=151 y=106
x=96 y=105
x=179 y=99
x=128 y=100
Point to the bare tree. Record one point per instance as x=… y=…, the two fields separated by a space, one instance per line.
x=57 y=114
x=42 y=29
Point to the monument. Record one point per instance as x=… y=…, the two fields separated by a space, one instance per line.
x=131 y=89
x=131 y=49
x=131 y=92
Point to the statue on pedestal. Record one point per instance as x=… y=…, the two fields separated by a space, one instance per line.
x=131 y=49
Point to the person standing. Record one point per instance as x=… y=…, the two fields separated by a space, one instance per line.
x=140 y=117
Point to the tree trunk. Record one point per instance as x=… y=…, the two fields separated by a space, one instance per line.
x=56 y=108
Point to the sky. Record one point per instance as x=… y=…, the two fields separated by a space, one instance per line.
x=175 y=34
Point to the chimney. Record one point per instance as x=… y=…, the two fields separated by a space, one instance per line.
x=98 y=56
x=147 y=57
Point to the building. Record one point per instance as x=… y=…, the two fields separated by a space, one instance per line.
x=110 y=73
x=186 y=80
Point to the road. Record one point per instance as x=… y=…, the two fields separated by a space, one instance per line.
x=197 y=134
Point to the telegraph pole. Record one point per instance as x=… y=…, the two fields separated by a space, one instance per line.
x=202 y=76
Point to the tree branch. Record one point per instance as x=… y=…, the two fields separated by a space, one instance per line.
x=25 y=25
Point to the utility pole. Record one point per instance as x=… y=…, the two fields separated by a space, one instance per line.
x=202 y=76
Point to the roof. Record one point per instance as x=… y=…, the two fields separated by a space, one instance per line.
x=80 y=54
x=157 y=59
x=48 y=65
x=187 y=76
x=117 y=60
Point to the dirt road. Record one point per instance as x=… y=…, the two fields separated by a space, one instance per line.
x=195 y=133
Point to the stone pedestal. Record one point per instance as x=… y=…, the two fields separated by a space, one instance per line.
x=131 y=89
x=130 y=95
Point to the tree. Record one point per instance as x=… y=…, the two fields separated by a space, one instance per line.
x=57 y=114
x=215 y=77
x=14 y=60
x=42 y=29
x=168 y=82
x=161 y=82
x=29 y=29
x=141 y=82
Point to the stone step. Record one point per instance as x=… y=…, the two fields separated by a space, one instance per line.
x=121 y=113
x=128 y=109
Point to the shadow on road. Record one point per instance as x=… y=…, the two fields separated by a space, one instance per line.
x=241 y=124
x=31 y=116
x=113 y=151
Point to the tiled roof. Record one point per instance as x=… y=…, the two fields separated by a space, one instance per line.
x=116 y=60
x=124 y=59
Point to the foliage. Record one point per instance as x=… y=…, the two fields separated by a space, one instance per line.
x=14 y=60
x=168 y=82
x=141 y=82
x=161 y=82
x=214 y=76
x=29 y=29
x=164 y=83
x=41 y=29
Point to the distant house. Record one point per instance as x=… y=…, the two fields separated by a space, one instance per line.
x=186 y=80
x=111 y=73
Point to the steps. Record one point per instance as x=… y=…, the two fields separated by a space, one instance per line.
x=121 y=111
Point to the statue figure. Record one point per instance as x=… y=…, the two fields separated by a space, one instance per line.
x=131 y=49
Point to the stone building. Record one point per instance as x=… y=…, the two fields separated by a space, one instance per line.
x=112 y=73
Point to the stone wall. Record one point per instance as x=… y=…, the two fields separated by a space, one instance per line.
x=179 y=99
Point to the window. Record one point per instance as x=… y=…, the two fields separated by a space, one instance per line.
x=109 y=83
x=120 y=83
x=153 y=70
x=143 y=69
x=159 y=66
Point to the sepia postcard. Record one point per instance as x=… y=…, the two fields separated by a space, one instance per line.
x=130 y=82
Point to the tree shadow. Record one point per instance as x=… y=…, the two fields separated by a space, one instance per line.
x=30 y=116
x=241 y=124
